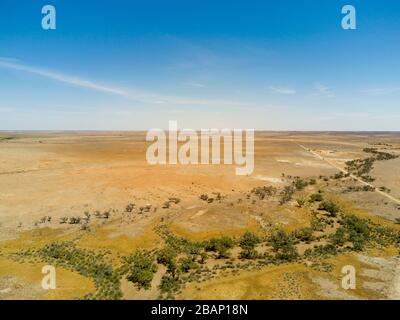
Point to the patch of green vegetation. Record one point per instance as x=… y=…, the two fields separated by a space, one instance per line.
x=170 y=285
x=86 y=262
x=365 y=188
x=304 y=234
x=362 y=167
x=321 y=251
x=139 y=268
x=220 y=245
x=357 y=230
x=248 y=243
x=316 y=197
x=283 y=245
x=7 y=138
x=166 y=255
x=286 y=194
x=264 y=192
x=330 y=207
x=317 y=223
x=299 y=183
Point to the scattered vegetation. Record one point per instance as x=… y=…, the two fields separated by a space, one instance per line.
x=286 y=194
x=85 y=262
x=362 y=167
x=264 y=192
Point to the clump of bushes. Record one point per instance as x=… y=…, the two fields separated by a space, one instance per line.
x=264 y=192
x=316 y=197
x=86 y=263
x=321 y=250
x=304 y=234
x=166 y=255
x=357 y=230
x=248 y=243
x=299 y=183
x=286 y=194
x=130 y=207
x=139 y=268
x=169 y=285
x=282 y=243
x=220 y=245
x=329 y=206
x=186 y=264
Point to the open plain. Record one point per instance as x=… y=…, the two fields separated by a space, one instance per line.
x=315 y=202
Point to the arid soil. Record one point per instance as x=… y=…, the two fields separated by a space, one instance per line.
x=48 y=179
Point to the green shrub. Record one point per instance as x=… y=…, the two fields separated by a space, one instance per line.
x=316 y=197
x=300 y=184
x=220 y=245
x=286 y=194
x=305 y=234
x=330 y=207
x=187 y=264
x=357 y=229
x=339 y=237
x=169 y=284
x=249 y=240
x=282 y=244
x=140 y=268
x=248 y=253
x=165 y=255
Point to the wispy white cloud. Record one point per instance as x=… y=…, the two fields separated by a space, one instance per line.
x=196 y=84
x=138 y=95
x=13 y=64
x=324 y=90
x=381 y=91
x=282 y=90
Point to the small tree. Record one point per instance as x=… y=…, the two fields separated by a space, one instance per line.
x=316 y=197
x=248 y=242
x=286 y=194
x=339 y=237
x=220 y=245
x=330 y=207
x=140 y=268
x=165 y=255
x=282 y=244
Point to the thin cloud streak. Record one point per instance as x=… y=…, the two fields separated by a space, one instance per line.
x=381 y=91
x=62 y=77
x=282 y=90
x=141 y=96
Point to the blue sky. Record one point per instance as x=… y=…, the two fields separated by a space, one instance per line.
x=134 y=65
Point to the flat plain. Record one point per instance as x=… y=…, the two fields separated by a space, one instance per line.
x=315 y=202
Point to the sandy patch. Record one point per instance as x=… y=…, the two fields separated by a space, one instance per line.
x=330 y=289
x=199 y=214
x=270 y=179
